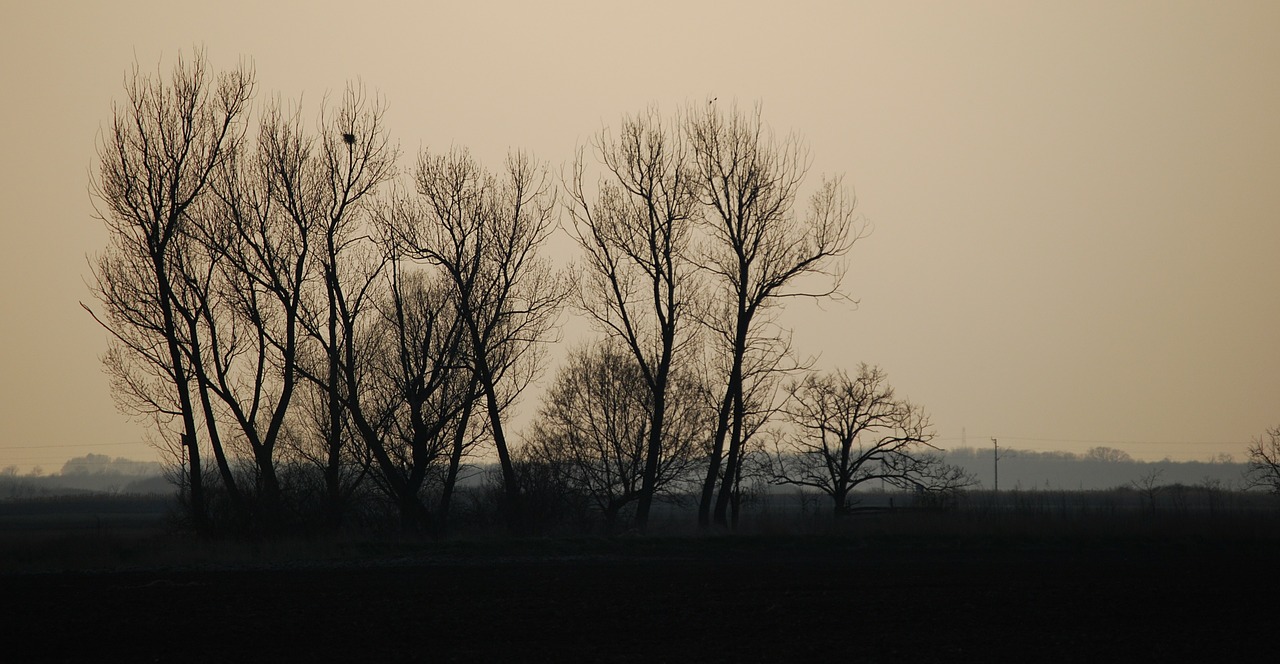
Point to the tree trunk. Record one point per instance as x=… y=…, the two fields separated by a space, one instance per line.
x=732 y=462
x=413 y=514
x=713 y=463
x=238 y=506
x=199 y=507
x=455 y=462
x=840 y=497
x=611 y=516
x=269 y=499
x=653 y=450
x=333 y=465
x=734 y=408
x=510 y=483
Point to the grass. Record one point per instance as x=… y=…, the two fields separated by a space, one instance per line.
x=125 y=532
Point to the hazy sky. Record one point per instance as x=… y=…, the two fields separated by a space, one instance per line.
x=1075 y=204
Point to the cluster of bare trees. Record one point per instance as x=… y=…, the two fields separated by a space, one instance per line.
x=1264 y=461
x=266 y=300
x=279 y=300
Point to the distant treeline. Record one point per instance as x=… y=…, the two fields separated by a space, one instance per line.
x=29 y=486
x=91 y=473
x=1099 y=468
x=101 y=464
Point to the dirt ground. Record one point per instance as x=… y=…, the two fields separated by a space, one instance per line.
x=792 y=600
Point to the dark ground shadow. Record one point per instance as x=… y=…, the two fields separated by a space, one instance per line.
x=793 y=599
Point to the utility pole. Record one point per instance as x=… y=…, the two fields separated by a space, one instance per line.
x=995 y=456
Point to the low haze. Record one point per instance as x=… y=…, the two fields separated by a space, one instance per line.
x=1073 y=204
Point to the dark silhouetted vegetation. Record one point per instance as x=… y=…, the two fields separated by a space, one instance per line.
x=1264 y=461
x=331 y=344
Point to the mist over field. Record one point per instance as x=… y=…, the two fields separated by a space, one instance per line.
x=1103 y=468
x=1026 y=470
x=91 y=473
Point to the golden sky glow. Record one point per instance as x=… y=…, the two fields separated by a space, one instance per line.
x=1074 y=204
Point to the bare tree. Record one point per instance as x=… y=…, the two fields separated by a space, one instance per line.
x=438 y=377
x=307 y=450
x=354 y=157
x=247 y=304
x=762 y=373
x=638 y=281
x=483 y=233
x=155 y=162
x=758 y=252
x=852 y=430
x=593 y=428
x=1107 y=455
x=1150 y=486
x=1264 y=461
x=266 y=232
x=428 y=391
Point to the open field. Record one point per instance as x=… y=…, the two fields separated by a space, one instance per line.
x=884 y=588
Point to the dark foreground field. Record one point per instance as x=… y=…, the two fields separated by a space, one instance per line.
x=669 y=600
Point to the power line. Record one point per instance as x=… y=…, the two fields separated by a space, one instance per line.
x=43 y=458
x=45 y=447
x=995 y=456
x=1114 y=442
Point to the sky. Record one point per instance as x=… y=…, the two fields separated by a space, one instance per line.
x=1074 y=215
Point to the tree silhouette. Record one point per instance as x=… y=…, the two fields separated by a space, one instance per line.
x=155 y=163
x=593 y=429
x=758 y=252
x=854 y=429
x=638 y=282
x=483 y=233
x=1264 y=461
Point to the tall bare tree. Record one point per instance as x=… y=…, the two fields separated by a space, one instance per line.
x=854 y=429
x=758 y=252
x=354 y=157
x=637 y=281
x=422 y=389
x=155 y=162
x=249 y=313
x=1264 y=461
x=762 y=374
x=330 y=498
x=483 y=233
x=267 y=230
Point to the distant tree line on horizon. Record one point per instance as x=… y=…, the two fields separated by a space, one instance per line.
x=88 y=473
x=1098 y=468
x=311 y=325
